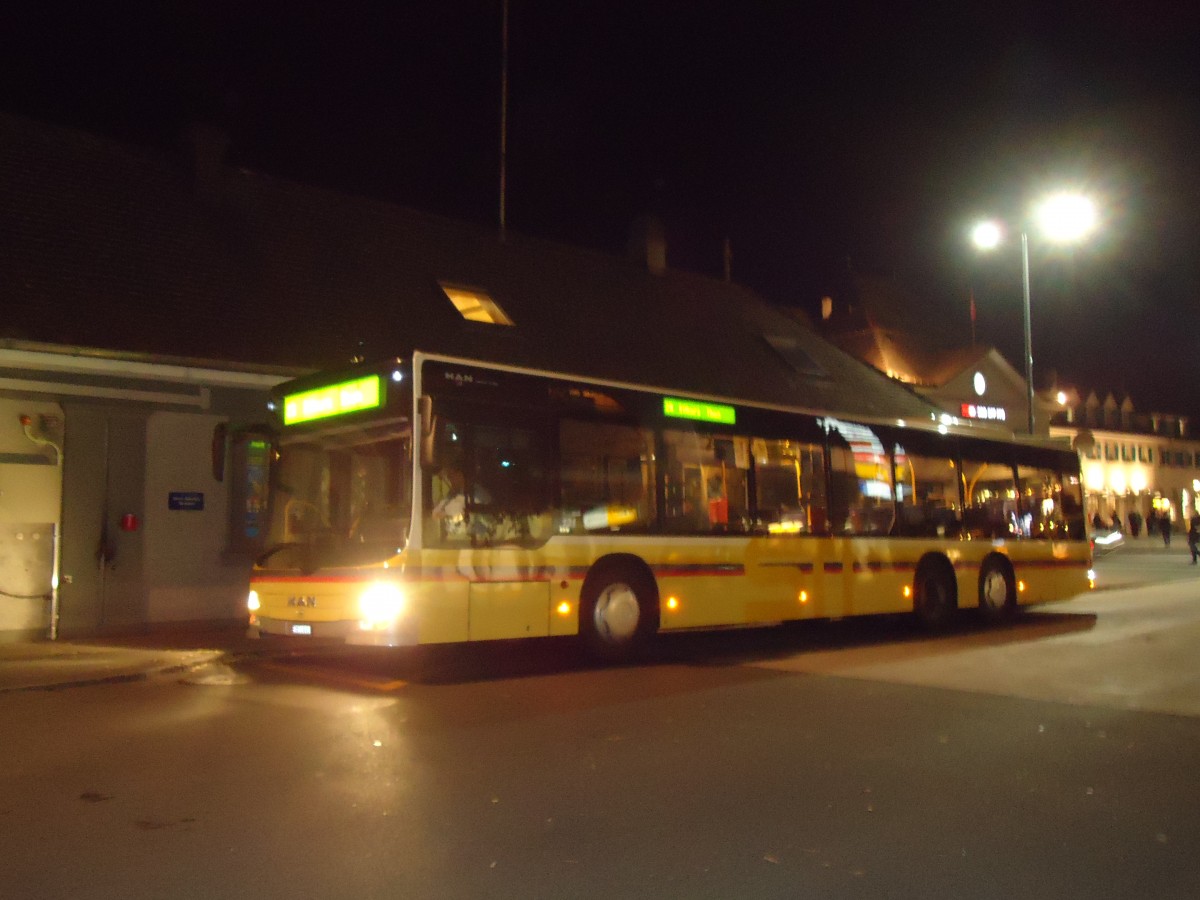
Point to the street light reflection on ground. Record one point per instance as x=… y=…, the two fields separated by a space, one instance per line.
x=1061 y=218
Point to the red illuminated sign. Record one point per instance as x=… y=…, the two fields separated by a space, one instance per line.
x=979 y=411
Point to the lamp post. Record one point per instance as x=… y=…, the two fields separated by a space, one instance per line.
x=1028 y=328
x=1063 y=218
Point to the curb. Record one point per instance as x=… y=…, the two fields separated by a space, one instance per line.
x=126 y=676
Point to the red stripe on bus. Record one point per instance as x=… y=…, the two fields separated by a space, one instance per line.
x=306 y=579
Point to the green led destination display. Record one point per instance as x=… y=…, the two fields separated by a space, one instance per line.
x=334 y=400
x=719 y=413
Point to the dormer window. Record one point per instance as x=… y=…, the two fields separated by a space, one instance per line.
x=475 y=305
x=789 y=350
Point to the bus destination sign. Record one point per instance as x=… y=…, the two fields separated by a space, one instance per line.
x=333 y=400
x=719 y=413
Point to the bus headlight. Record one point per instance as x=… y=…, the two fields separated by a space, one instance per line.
x=380 y=604
x=252 y=603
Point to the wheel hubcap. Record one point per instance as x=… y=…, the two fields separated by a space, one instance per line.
x=617 y=612
x=935 y=594
x=995 y=590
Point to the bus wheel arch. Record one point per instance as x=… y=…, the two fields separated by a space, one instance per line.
x=935 y=591
x=997 y=588
x=618 y=607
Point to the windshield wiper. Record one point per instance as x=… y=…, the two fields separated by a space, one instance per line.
x=261 y=559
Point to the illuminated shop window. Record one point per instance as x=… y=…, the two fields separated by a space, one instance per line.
x=476 y=305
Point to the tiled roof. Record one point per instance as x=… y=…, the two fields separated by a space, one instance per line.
x=108 y=246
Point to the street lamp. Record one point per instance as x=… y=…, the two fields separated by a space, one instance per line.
x=1062 y=218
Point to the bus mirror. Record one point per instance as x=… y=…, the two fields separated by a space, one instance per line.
x=425 y=412
x=251 y=457
x=220 y=438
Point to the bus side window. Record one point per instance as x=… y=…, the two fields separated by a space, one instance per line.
x=790 y=486
x=707 y=483
x=1072 y=506
x=926 y=495
x=991 y=499
x=1045 y=504
x=861 y=499
x=607 y=477
x=491 y=486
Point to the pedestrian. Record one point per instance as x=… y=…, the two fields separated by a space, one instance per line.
x=1164 y=523
x=1097 y=522
x=1194 y=537
x=1152 y=523
x=1135 y=523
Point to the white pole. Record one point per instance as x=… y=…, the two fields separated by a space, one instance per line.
x=503 y=115
x=1028 y=328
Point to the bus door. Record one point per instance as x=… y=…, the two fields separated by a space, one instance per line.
x=486 y=516
x=860 y=574
x=791 y=519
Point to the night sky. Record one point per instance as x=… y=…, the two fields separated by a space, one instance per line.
x=816 y=137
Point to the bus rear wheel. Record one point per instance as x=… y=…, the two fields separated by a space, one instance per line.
x=933 y=593
x=997 y=591
x=618 y=611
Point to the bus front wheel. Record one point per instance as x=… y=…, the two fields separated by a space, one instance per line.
x=619 y=610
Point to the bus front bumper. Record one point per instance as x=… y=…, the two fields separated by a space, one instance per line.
x=398 y=634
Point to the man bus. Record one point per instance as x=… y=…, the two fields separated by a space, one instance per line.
x=434 y=499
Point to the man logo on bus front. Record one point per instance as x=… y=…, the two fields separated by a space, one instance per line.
x=302 y=601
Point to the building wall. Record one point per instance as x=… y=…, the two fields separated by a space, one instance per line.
x=190 y=573
x=1001 y=403
x=101 y=585
x=143 y=525
x=1125 y=472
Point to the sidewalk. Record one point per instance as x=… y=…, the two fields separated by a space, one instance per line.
x=48 y=665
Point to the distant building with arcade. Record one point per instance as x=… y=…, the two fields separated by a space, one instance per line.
x=1133 y=462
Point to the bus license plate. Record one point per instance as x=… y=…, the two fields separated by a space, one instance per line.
x=301 y=629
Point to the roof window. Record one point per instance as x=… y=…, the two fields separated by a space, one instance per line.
x=789 y=350
x=476 y=305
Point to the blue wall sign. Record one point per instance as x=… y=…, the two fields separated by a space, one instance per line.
x=186 y=500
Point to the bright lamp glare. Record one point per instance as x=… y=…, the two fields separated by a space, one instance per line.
x=252 y=602
x=1066 y=217
x=380 y=603
x=987 y=235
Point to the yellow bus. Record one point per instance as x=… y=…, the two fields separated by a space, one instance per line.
x=434 y=499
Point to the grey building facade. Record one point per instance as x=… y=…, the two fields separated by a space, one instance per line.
x=112 y=516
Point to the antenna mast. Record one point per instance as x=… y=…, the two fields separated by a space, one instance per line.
x=503 y=115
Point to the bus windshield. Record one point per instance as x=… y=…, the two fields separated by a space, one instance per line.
x=340 y=497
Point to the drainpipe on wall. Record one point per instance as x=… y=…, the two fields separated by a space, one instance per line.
x=56 y=549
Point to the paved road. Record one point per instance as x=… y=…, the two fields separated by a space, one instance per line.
x=1054 y=759
x=1142 y=562
x=1134 y=648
